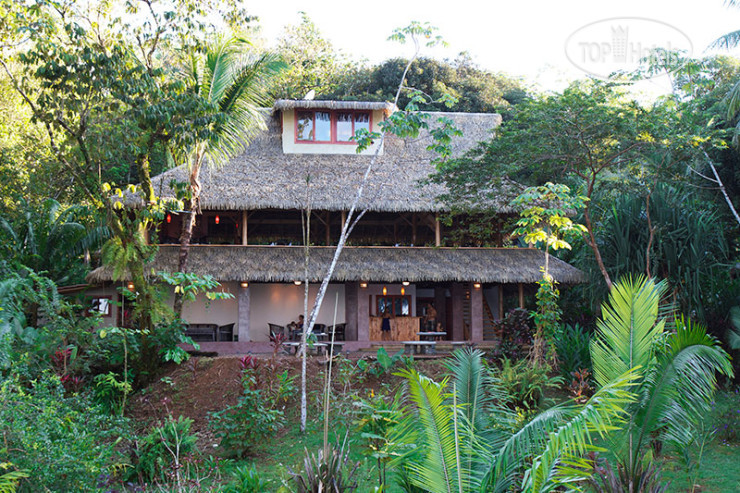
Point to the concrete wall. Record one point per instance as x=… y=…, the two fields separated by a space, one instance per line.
x=220 y=312
x=111 y=320
x=282 y=303
x=291 y=147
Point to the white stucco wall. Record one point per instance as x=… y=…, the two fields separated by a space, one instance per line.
x=291 y=147
x=282 y=303
x=220 y=312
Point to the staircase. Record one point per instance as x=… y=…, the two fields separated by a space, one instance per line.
x=490 y=331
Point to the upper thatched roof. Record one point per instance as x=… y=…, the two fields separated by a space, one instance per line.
x=263 y=177
x=291 y=104
x=372 y=264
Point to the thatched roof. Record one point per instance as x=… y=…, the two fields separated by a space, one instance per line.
x=372 y=264
x=291 y=104
x=263 y=177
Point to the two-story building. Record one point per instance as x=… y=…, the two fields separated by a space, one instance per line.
x=399 y=257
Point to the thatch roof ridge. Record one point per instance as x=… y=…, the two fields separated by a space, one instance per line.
x=289 y=104
x=372 y=264
x=263 y=177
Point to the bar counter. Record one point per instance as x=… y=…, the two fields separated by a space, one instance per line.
x=402 y=329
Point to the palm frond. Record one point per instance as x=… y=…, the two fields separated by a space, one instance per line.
x=679 y=388
x=562 y=460
x=626 y=335
x=437 y=469
x=727 y=41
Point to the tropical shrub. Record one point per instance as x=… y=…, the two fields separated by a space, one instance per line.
x=241 y=426
x=525 y=384
x=328 y=470
x=464 y=439
x=161 y=451
x=245 y=480
x=678 y=370
x=383 y=362
x=573 y=347
x=64 y=442
x=376 y=418
x=516 y=334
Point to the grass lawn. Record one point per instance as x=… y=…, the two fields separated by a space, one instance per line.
x=719 y=472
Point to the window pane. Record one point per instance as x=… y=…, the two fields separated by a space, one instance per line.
x=304 y=127
x=362 y=120
x=323 y=126
x=344 y=127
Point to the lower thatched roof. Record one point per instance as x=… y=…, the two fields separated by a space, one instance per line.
x=373 y=264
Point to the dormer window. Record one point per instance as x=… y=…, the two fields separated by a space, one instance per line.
x=329 y=127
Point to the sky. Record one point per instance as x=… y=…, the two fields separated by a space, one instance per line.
x=548 y=43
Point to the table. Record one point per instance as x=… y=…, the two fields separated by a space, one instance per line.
x=420 y=347
x=431 y=336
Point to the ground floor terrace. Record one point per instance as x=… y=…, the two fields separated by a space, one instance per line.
x=377 y=294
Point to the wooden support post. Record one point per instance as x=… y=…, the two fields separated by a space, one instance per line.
x=501 y=301
x=437 y=231
x=244 y=227
x=344 y=218
x=521 y=295
x=328 y=229
x=413 y=228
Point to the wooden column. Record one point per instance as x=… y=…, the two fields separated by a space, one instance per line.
x=501 y=301
x=476 y=314
x=521 y=295
x=458 y=333
x=328 y=228
x=243 y=309
x=363 y=315
x=244 y=227
x=351 y=310
x=344 y=219
x=413 y=228
x=437 y=231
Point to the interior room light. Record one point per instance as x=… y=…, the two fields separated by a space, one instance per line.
x=405 y=283
x=297 y=283
x=169 y=218
x=218 y=219
x=363 y=284
x=245 y=284
x=385 y=291
x=403 y=291
x=130 y=286
x=476 y=285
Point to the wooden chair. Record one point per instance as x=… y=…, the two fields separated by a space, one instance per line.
x=338 y=331
x=276 y=329
x=226 y=332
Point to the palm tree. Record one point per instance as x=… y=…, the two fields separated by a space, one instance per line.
x=729 y=41
x=466 y=440
x=677 y=373
x=233 y=85
x=50 y=239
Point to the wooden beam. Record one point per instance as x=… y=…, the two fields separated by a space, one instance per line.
x=521 y=295
x=344 y=218
x=244 y=227
x=500 y=301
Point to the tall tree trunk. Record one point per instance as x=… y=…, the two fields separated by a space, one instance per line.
x=192 y=209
